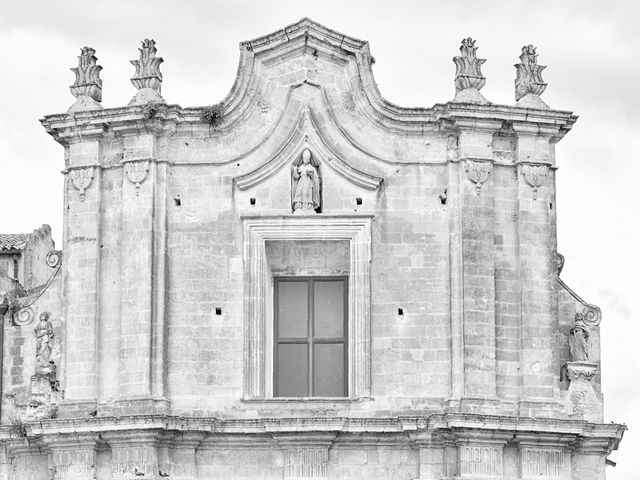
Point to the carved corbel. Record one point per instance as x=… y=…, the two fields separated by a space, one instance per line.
x=535 y=176
x=478 y=172
x=81 y=179
x=137 y=172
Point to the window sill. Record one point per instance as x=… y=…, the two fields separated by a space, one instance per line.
x=342 y=400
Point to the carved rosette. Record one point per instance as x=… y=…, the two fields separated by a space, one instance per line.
x=88 y=82
x=81 y=179
x=137 y=172
x=478 y=172
x=468 y=74
x=529 y=74
x=535 y=176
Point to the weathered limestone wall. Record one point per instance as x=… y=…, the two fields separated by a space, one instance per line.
x=442 y=218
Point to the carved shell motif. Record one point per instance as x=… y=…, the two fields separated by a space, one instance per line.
x=81 y=179
x=535 y=175
x=137 y=172
x=478 y=172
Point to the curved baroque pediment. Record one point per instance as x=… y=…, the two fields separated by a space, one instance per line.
x=305 y=135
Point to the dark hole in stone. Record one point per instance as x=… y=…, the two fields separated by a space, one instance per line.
x=252 y=201
x=218 y=311
x=551 y=206
x=358 y=201
x=237 y=164
x=400 y=311
x=186 y=143
x=177 y=201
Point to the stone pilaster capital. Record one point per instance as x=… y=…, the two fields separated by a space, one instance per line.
x=534 y=129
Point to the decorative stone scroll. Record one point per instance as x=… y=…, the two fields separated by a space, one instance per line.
x=23 y=317
x=535 y=176
x=529 y=74
x=542 y=463
x=147 y=78
x=81 y=179
x=53 y=259
x=468 y=74
x=480 y=461
x=137 y=172
x=87 y=87
x=478 y=172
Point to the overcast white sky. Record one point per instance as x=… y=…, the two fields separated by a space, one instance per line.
x=590 y=48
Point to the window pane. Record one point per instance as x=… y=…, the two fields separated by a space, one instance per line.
x=292 y=379
x=328 y=306
x=328 y=370
x=292 y=309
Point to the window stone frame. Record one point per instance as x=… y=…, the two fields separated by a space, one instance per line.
x=256 y=232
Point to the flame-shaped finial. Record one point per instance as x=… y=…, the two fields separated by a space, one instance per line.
x=468 y=74
x=147 y=79
x=529 y=74
x=87 y=87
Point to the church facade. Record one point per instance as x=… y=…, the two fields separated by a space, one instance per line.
x=305 y=281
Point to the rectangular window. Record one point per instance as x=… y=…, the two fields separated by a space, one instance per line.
x=311 y=336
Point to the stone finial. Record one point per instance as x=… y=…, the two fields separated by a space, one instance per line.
x=529 y=77
x=87 y=87
x=468 y=74
x=147 y=79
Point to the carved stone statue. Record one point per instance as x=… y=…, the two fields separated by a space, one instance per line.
x=44 y=334
x=305 y=184
x=529 y=74
x=579 y=339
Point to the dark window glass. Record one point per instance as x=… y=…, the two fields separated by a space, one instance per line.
x=310 y=337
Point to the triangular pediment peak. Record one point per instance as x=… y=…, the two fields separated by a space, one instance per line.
x=306 y=29
x=306 y=137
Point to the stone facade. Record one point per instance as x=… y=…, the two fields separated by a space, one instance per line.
x=462 y=338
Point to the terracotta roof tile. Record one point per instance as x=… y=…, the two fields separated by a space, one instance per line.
x=13 y=241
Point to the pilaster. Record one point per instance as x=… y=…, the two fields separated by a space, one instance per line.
x=537 y=250
x=81 y=267
x=473 y=237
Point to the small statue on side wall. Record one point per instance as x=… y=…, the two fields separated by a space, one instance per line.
x=44 y=334
x=305 y=184
x=579 y=339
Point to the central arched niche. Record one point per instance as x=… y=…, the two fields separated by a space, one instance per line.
x=270 y=188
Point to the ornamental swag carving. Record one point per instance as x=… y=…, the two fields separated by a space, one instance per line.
x=478 y=172
x=535 y=175
x=81 y=179
x=137 y=172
